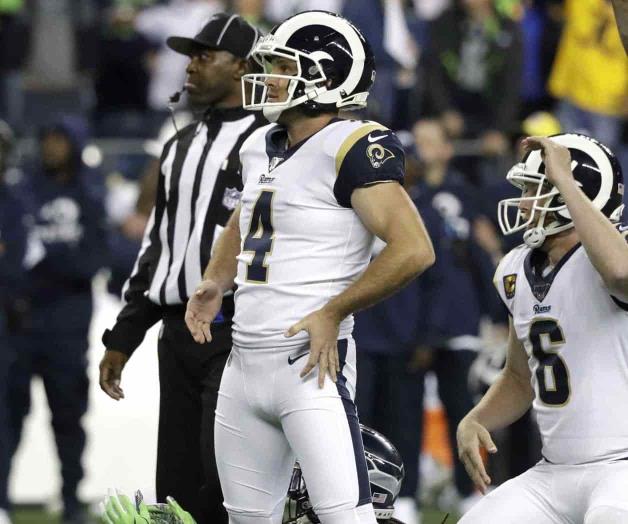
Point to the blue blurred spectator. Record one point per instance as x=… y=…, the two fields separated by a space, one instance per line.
x=385 y=26
x=122 y=76
x=52 y=341
x=465 y=293
x=470 y=266
x=541 y=25
x=391 y=337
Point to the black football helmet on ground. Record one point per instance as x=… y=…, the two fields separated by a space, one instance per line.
x=386 y=474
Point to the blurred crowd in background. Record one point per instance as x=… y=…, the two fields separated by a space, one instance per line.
x=85 y=85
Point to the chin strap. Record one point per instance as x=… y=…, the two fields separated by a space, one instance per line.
x=272 y=113
x=534 y=237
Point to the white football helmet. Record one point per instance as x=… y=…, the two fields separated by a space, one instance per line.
x=335 y=65
x=595 y=169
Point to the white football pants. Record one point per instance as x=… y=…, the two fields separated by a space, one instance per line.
x=267 y=417
x=558 y=494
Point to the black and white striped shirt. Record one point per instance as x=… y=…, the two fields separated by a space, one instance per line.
x=199 y=186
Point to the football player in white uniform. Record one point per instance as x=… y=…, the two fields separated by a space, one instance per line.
x=566 y=289
x=317 y=189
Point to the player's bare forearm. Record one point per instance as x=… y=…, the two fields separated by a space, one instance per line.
x=387 y=211
x=606 y=247
x=511 y=395
x=393 y=268
x=505 y=402
x=222 y=267
x=621 y=15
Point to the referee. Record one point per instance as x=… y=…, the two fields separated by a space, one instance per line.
x=199 y=186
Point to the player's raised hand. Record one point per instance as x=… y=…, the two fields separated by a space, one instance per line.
x=471 y=435
x=202 y=308
x=110 y=373
x=323 y=330
x=556 y=157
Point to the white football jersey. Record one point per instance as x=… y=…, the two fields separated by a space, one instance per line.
x=576 y=337
x=302 y=243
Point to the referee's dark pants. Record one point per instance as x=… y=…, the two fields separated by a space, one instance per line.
x=189 y=377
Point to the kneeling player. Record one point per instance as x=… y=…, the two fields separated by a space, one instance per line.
x=567 y=292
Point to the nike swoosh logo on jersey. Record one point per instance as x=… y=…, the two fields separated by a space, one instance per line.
x=375 y=138
x=293 y=360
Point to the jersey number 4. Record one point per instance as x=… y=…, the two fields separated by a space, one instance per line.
x=259 y=239
x=552 y=374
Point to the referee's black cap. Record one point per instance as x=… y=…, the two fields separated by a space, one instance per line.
x=223 y=32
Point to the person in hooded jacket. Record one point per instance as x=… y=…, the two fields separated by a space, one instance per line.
x=52 y=341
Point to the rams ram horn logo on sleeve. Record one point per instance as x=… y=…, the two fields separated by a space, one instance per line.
x=378 y=154
x=510 y=283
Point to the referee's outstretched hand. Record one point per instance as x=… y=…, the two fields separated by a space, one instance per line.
x=203 y=306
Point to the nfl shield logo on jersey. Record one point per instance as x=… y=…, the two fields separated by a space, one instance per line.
x=231 y=198
x=510 y=282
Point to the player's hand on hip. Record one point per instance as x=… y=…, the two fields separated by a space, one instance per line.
x=110 y=374
x=471 y=436
x=557 y=158
x=202 y=308
x=323 y=330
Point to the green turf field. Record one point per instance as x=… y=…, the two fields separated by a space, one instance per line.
x=40 y=517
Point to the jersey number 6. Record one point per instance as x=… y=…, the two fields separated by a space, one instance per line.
x=552 y=374
x=259 y=239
